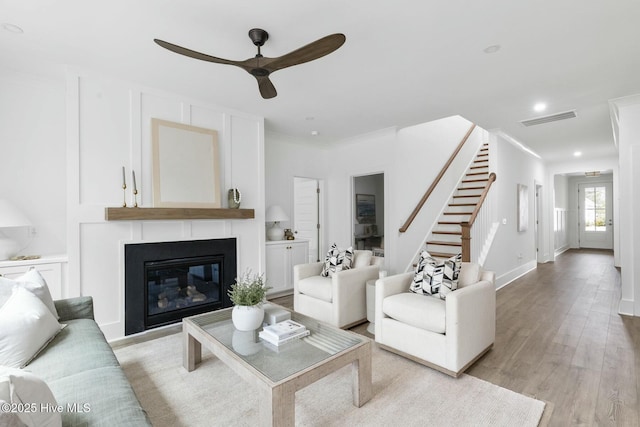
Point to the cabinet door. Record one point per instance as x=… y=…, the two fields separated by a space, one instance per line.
x=52 y=274
x=299 y=254
x=276 y=256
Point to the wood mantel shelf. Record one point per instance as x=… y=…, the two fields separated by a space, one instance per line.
x=148 y=214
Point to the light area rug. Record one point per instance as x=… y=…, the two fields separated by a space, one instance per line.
x=404 y=393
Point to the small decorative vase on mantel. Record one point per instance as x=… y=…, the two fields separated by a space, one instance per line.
x=247 y=294
x=234 y=197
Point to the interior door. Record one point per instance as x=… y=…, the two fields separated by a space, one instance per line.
x=595 y=206
x=306 y=213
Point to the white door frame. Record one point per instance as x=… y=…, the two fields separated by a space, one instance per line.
x=321 y=217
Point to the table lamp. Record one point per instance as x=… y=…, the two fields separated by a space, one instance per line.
x=275 y=214
x=10 y=217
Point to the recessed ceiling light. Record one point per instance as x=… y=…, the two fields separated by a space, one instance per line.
x=577 y=153
x=309 y=118
x=539 y=107
x=12 y=28
x=492 y=49
x=314 y=132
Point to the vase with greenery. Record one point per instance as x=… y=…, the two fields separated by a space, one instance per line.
x=247 y=295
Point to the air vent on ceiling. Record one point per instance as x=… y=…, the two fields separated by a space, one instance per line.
x=593 y=174
x=547 y=119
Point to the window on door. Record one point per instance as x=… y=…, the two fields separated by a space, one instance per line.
x=595 y=209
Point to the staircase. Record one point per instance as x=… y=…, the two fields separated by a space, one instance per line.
x=445 y=239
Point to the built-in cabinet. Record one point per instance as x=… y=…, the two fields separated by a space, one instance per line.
x=52 y=267
x=281 y=256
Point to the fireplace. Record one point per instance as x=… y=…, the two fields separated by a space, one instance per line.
x=167 y=281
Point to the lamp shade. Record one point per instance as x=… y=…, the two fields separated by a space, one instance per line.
x=275 y=213
x=11 y=216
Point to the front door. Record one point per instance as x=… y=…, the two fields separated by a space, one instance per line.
x=595 y=202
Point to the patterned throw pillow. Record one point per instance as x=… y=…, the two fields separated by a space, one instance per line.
x=337 y=260
x=451 y=271
x=432 y=277
x=427 y=275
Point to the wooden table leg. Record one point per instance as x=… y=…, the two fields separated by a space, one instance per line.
x=361 y=376
x=277 y=406
x=191 y=352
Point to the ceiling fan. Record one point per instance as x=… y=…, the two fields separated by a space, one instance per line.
x=259 y=66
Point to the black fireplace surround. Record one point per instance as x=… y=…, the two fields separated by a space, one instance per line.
x=167 y=281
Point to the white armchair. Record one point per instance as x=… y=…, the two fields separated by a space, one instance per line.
x=447 y=335
x=339 y=300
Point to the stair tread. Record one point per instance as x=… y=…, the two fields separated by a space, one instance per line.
x=441 y=255
x=474 y=180
x=449 y=222
x=476 y=173
x=443 y=243
x=481 y=161
x=462 y=204
x=467 y=195
x=457 y=213
x=482 y=154
x=458 y=233
x=479 y=167
x=471 y=188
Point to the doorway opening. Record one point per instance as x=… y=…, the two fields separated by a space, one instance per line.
x=368 y=213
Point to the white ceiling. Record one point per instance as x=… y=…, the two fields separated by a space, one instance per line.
x=404 y=62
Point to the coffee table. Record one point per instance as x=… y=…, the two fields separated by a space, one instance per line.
x=278 y=372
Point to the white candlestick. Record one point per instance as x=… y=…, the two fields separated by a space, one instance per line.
x=135 y=188
x=124 y=181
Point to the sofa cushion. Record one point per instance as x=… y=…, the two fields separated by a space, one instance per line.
x=361 y=258
x=102 y=397
x=27 y=327
x=18 y=386
x=79 y=347
x=337 y=260
x=317 y=287
x=416 y=310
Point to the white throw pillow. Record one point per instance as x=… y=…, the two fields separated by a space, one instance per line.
x=32 y=281
x=26 y=327
x=25 y=390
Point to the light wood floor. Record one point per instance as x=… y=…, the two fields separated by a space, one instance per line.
x=560 y=339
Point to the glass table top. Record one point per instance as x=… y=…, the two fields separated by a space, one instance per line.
x=278 y=362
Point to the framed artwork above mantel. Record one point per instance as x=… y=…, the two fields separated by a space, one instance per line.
x=185 y=166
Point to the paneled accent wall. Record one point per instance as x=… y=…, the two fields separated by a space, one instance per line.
x=560 y=232
x=109 y=126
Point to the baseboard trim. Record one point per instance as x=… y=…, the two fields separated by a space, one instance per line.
x=626 y=307
x=561 y=250
x=433 y=365
x=516 y=273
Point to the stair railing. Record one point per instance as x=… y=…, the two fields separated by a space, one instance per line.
x=466 y=225
x=424 y=198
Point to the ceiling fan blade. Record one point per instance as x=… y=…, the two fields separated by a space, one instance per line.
x=314 y=50
x=198 y=55
x=267 y=89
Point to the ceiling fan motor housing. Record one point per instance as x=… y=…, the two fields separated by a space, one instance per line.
x=258 y=36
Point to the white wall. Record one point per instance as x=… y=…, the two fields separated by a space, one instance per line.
x=286 y=158
x=33 y=152
x=626 y=123
x=513 y=253
x=409 y=158
x=109 y=126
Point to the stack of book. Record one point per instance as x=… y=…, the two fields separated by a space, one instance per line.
x=283 y=332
